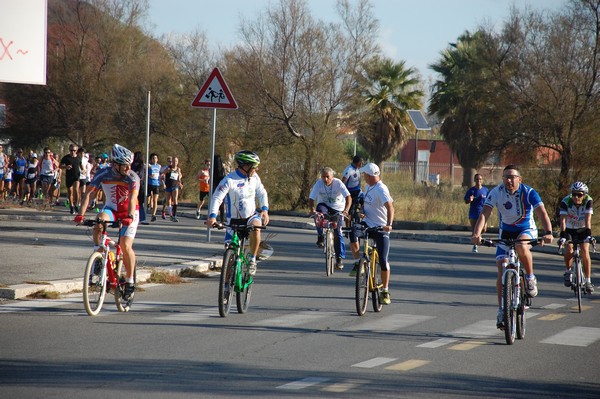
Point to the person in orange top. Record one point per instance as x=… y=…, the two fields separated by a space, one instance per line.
x=204 y=185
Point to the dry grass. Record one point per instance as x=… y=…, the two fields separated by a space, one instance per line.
x=420 y=203
x=43 y=294
x=160 y=277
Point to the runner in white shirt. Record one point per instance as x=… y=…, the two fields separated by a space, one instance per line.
x=329 y=196
x=240 y=189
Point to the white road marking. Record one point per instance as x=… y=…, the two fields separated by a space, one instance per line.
x=375 y=362
x=295 y=319
x=574 y=336
x=303 y=383
x=390 y=323
x=437 y=343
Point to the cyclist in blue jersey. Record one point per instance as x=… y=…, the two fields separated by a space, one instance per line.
x=328 y=196
x=351 y=178
x=517 y=204
x=575 y=213
x=475 y=197
x=240 y=189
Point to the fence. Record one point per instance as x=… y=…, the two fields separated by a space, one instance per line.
x=437 y=173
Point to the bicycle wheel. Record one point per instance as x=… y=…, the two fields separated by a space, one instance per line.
x=119 y=290
x=376 y=293
x=509 y=314
x=242 y=297
x=227 y=282
x=94 y=284
x=578 y=281
x=521 y=311
x=329 y=253
x=362 y=286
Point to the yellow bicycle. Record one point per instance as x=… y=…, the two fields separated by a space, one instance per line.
x=368 y=271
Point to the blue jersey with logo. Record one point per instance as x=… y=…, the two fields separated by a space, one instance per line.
x=154 y=174
x=515 y=210
x=479 y=196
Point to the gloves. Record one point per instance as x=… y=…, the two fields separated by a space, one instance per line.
x=78 y=219
x=127 y=221
x=588 y=232
x=563 y=234
x=561 y=241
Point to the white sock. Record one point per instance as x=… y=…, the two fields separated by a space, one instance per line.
x=129 y=281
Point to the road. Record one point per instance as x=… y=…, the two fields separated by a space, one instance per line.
x=302 y=338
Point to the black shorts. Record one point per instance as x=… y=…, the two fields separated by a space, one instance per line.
x=153 y=190
x=70 y=182
x=576 y=234
x=202 y=195
x=17 y=177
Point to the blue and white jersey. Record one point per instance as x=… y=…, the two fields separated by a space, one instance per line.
x=239 y=193
x=154 y=171
x=575 y=215
x=333 y=195
x=374 y=208
x=515 y=210
x=352 y=176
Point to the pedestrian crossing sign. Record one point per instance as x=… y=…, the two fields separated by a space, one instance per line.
x=214 y=93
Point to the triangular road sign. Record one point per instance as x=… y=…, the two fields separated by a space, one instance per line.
x=214 y=93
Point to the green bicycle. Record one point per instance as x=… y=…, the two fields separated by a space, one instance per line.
x=235 y=275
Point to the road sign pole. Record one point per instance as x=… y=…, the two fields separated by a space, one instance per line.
x=212 y=169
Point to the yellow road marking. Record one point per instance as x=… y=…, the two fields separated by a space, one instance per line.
x=341 y=387
x=466 y=346
x=408 y=365
x=583 y=307
x=552 y=316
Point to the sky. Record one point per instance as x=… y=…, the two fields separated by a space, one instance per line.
x=415 y=31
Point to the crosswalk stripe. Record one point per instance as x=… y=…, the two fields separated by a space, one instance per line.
x=574 y=336
x=408 y=365
x=303 y=383
x=390 y=323
x=295 y=319
x=375 y=362
x=465 y=346
x=553 y=306
x=437 y=343
x=343 y=386
x=552 y=317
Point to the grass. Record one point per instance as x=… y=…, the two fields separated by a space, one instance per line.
x=43 y=294
x=160 y=277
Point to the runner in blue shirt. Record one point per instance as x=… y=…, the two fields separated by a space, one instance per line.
x=475 y=197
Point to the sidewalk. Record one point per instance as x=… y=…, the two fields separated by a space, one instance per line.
x=169 y=247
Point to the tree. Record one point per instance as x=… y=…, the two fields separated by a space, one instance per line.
x=391 y=90
x=296 y=75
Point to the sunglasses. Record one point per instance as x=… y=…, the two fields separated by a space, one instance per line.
x=578 y=195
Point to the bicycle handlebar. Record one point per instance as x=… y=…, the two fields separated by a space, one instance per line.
x=238 y=227
x=590 y=240
x=510 y=241
x=105 y=223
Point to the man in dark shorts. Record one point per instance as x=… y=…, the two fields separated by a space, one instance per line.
x=71 y=163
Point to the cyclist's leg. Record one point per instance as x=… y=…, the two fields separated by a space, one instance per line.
x=127 y=236
x=254 y=244
x=382 y=242
x=338 y=242
x=106 y=215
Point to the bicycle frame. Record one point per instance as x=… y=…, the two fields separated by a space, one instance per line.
x=237 y=244
x=372 y=256
x=328 y=223
x=367 y=276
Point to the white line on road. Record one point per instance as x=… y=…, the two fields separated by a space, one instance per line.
x=575 y=336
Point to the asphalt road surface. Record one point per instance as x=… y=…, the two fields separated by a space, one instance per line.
x=302 y=337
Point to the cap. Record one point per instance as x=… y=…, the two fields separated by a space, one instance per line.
x=34 y=155
x=371 y=169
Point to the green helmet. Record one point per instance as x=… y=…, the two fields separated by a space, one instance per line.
x=245 y=157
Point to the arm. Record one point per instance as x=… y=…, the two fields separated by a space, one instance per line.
x=390 y=216
x=542 y=215
x=348 y=204
x=86 y=199
x=311 y=207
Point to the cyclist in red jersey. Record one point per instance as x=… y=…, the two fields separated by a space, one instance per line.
x=121 y=186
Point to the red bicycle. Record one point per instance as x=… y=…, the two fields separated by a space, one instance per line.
x=104 y=272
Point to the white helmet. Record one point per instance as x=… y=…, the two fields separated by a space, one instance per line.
x=121 y=155
x=579 y=186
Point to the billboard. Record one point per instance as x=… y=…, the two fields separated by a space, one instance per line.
x=23 y=41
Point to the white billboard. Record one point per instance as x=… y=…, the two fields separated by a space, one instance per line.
x=23 y=41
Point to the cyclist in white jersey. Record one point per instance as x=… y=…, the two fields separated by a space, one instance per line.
x=328 y=196
x=575 y=213
x=516 y=204
x=121 y=186
x=240 y=189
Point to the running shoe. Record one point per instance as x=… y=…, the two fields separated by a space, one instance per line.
x=198 y=215
x=153 y=218
x=174 y=219
x=500 y=319
x=339 y=264
x=531 y=287
x=164 y=215
x=354 y=270
x=385 y=297
x=474 y=250
x=129 y=292
x=252 y=267
x=567 y=278
x=588 y=287
x=320 y=241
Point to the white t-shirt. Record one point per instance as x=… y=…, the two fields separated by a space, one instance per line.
x=333 y=195
x=374 y=208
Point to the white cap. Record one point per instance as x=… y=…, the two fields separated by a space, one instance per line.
x=371 y=169
x=34 y=155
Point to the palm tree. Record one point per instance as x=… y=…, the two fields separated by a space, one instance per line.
x=392 y=89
